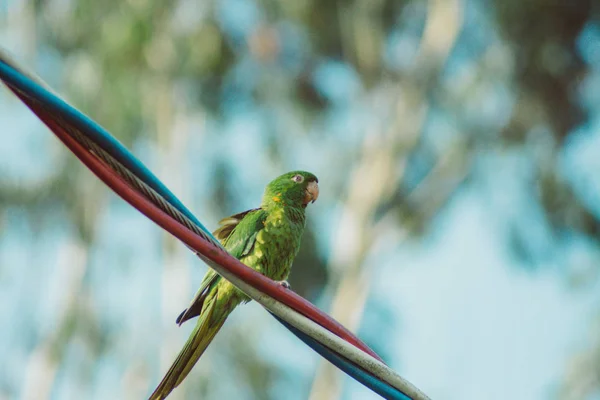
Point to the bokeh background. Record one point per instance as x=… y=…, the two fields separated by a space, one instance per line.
x=457 y=143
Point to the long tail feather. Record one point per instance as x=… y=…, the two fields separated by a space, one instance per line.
x=207 y=327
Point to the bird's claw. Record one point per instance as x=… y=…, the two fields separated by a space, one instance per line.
x=285 y=284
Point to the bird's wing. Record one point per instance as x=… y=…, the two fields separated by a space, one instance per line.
x=237 y=234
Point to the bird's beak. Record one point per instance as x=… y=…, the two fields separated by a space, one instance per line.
x=312 y=192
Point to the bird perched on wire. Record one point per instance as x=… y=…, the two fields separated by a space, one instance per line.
x=266 y=239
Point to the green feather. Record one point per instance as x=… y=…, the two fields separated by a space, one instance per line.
x=237 y=234
x=266 y=239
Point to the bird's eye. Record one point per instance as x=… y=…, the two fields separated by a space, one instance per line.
x=298 y=178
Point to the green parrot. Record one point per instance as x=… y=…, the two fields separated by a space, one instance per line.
x=266 y=239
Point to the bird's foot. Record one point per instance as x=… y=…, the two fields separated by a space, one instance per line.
x=285 y=284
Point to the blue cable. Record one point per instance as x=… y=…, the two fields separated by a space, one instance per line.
x=90 y=128
x=384 y=389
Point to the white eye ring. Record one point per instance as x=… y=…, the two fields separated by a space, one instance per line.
x=298 y=178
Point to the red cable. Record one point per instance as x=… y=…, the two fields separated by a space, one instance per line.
x=262 y=283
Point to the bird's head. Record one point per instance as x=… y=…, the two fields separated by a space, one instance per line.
x=294 y=189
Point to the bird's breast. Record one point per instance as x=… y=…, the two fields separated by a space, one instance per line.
x=277 y=245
